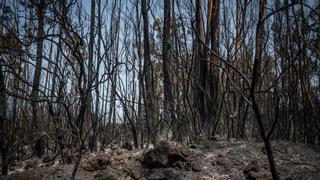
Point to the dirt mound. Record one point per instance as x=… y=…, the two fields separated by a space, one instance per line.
x=168 y=155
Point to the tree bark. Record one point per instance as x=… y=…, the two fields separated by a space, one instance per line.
x=201 y=66
x=167 y=85
x=3 y=124
x=147 y=72
x=39 y=147
x=88 y=116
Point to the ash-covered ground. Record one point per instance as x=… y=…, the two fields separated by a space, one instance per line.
x=219 y=159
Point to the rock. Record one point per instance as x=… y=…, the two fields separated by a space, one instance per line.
x=165 y=155
x=155 y=158
x=96 y=163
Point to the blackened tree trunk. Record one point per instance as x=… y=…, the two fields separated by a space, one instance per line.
x=202 y=66
x=255 y=78
x=167 y=85
x=92 y=144
x=3 y=124
x=213 y=72
x=39 y=148
x=147 y=72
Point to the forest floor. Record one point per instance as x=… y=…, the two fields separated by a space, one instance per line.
x=220 y=159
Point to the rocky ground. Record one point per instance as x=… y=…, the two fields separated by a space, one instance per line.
x=220 y=159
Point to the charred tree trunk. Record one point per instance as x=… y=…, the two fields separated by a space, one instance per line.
x=202 y=66
x=39 y=148
x=3 y=124
x=88 y=116
x=213 y=72
x=147 y=73
x=255 y=78
x=167 y=85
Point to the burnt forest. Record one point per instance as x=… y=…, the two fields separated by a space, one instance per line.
x=160 y=89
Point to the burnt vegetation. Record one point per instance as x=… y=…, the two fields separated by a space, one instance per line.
x=84 y=77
